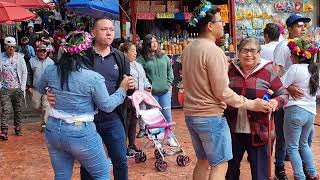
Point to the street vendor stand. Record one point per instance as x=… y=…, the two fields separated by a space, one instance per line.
x=251 y=16
x=161 y=16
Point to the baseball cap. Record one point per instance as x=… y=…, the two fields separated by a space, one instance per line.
x=294 y=18
x=11 y=41
x=30 y=25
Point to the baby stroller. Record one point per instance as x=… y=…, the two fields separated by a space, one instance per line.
x=158 y=130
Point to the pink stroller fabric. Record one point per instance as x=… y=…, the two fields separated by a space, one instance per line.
x=143 y=96
x=152 y=117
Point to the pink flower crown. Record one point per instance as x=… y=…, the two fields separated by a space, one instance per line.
x=77 y=47
x=303 y=49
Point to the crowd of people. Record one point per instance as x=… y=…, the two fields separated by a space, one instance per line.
x=79 y=82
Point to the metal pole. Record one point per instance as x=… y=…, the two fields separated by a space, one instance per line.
x=133 y=21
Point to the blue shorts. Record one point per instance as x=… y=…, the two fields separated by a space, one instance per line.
x=211 y=138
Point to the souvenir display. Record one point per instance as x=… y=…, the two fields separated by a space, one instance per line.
x=252 y=15
x=7 y=30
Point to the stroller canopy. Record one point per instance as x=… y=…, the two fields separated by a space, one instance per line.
x=143 y=96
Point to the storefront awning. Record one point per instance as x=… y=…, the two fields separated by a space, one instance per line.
x=95 y=8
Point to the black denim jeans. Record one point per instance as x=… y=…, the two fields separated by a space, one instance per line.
x=113 y=135
x=258 y=156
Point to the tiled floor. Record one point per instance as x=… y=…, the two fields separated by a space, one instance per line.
x=26 y=157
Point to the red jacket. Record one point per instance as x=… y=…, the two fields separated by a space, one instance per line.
x=255 y=86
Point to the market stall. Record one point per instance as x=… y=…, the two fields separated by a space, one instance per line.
x=251 y=16
x=169 y=21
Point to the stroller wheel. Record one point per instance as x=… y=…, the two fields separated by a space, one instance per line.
x=183 y=160
x=161 y=165
x=157 y=154
x=186 y=160
x=137 y=157
x=179 y=159
x=143 y=156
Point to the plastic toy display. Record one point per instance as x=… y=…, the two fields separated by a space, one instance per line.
x=252 y=15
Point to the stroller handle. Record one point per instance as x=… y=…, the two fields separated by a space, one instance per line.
x=166 y=125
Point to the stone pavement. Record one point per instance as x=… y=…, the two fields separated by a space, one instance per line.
x=26 y=157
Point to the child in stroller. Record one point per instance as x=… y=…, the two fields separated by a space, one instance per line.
x=158 y=130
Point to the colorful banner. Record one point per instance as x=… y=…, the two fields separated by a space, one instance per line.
x=165 y=15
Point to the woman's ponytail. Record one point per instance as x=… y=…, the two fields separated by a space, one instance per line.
x=314 y=79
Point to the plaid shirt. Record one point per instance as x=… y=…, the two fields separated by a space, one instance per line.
x=255 y=86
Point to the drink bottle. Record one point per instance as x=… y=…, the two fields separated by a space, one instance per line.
x=267 y=96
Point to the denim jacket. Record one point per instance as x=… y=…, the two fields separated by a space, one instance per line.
x=86 y=89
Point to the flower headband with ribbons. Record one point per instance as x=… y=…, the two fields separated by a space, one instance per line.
x=202 y=13
x=78 y=46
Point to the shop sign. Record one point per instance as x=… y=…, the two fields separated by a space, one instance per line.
x=224 y=12
x=165 y=15
x=146 y=16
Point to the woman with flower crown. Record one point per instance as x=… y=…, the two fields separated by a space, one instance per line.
x=300 y=113
x=71 y=133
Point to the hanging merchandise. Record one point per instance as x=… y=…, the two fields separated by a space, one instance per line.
x=7 y=30
x=253 y=15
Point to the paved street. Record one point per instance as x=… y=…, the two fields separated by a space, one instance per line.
x=26 y=157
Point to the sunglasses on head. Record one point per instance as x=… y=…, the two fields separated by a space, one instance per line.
x=11 y=46
x=42 y=50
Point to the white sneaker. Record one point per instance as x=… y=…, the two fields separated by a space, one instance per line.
x=172 y=142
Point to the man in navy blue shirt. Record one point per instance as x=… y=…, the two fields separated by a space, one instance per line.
x=112 y=65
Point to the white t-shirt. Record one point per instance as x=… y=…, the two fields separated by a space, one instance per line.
x=267 y=50
x=299 y=75
x=281 y=56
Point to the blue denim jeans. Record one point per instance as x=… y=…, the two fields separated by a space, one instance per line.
x=113 y=135
x=258 y=156
x=69 y=142
x=298 y=124
x=164 y=99
x=211 y=138
x=280 y=148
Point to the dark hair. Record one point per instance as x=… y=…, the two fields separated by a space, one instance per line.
x=124 y=47
x=117 y=42
x=314 y=78
x=210 y=17
x=146 y=47
x=99 y=19
x=69 y=63
x=273 y=31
